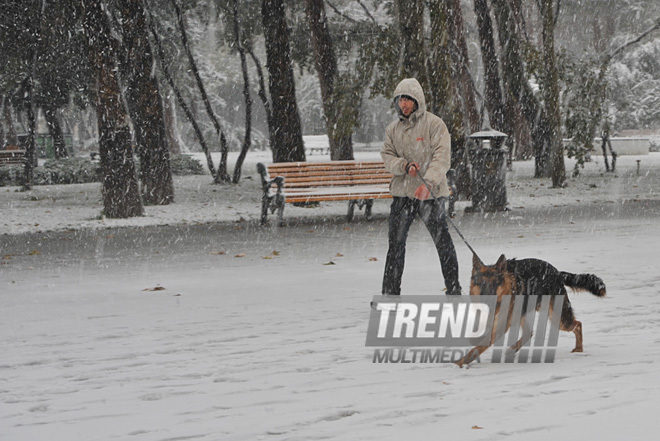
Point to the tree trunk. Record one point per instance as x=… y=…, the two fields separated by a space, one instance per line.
x=337 y=120
x=121 y=193
x=11 y=136
x=145 y=106
x=466 y=85
x=411 y=26
x=262 y=92
x=441 y=94
x=493 y=92
x=444 y=93
x=517 y=87
x=28 y=88
x=246 y=95
x=31 y=147
x=287 y=143
x=55 y=130
x=551 y=92
x=3 y=138
x=174 y=142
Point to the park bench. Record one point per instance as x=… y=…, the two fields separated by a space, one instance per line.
x=12 y=157
x=301 y=183
x=309 y=151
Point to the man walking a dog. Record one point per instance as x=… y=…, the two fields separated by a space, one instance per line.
x=418 y=143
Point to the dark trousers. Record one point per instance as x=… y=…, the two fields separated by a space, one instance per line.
x=434 y=216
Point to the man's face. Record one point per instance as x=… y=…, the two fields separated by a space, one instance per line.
x=407 y=105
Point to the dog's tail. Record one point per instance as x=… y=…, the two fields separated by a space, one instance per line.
x=584 y=282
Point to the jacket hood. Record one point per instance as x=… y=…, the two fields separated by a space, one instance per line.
x=412 y=88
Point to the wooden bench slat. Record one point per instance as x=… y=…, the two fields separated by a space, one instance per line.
x=315 y=170
x=353 y=183
x=334 y=177
x=349 y=163
x=324 y=165
x=321 y=167
x=329 y=198
x=342 y=174
x=347 y=179
x=338 y=173
x=357 y=189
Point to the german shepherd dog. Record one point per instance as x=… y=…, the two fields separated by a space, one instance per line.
x=526 y=277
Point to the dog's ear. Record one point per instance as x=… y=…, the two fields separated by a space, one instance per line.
x=476 y=263
x=501 y=263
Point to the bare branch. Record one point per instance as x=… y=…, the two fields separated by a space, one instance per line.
x=366 y=11
x=341 y=14
x=160 y=55
x=621 y=48
x=222 y=167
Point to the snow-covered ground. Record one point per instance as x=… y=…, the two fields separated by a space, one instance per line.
x=198 y=200
x=193 y=322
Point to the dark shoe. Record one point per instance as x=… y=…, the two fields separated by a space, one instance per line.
x=385 y=298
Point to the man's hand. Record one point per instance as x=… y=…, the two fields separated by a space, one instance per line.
x=422 y=193
x=412 y=168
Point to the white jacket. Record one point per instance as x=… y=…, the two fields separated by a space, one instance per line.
x=422 y=138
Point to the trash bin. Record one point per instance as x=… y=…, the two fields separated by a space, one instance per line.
x=488 y=171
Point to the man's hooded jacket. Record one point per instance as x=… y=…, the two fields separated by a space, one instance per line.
x=422 y=138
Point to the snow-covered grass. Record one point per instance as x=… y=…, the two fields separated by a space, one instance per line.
x=198 y=200
x=189 y=323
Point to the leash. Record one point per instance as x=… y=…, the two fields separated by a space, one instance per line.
x=451 y=222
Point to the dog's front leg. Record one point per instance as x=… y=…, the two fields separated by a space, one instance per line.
x=525 y=335
x=520 y=343
x=472 y=355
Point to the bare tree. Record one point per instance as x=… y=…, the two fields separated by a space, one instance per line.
x=145 y=105
x=174 y=143
x=222 y=174
x=445 y=91
x=461 y=61
x=121 y=193
x=11 y=136
x=263 y=95
x=494 y=101
x=285 y=129
x=160 y=55
x=516 y=86
x=334 y=90
x=551 y=93
x=31 y=147
x=55 y=129
x=410 y=16
x=3 y=136
x=28 y=90
x=586 y=99
x=246 y=93
x=605 y=64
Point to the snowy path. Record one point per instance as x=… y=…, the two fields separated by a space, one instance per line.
x=271 y=345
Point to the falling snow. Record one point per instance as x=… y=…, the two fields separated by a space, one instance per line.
x=193 y=322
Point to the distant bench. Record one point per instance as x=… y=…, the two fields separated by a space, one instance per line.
x=12 y=157
x=320 y=150
x=359 y=183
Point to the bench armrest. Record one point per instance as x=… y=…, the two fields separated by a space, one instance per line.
x=266 y=182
